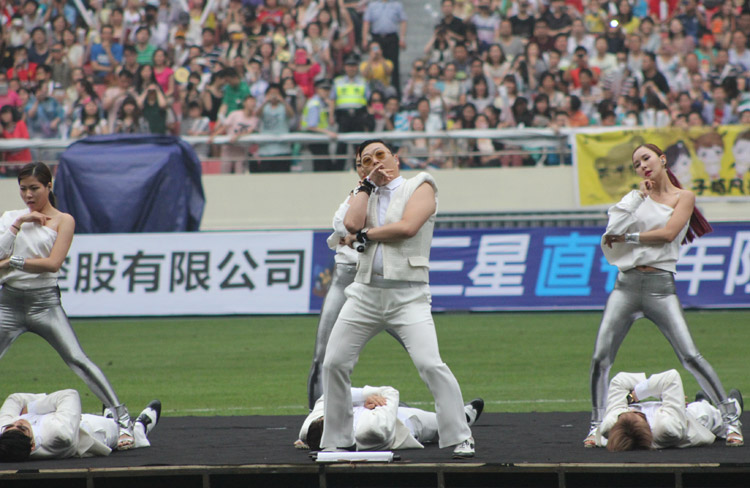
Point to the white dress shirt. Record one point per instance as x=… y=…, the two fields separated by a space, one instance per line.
x=384 y=199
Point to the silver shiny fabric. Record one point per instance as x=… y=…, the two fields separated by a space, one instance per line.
x=343 y=276
x=650 y=294
x=39 y=311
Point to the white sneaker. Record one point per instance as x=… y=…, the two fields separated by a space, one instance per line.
x=464 y=450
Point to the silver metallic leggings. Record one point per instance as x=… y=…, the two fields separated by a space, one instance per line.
x=39 y=311
x=650 y=294
x=343 y=276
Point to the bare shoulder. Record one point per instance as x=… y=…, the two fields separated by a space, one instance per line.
x=686 y=197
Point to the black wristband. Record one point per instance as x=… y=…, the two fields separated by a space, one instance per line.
x=365 y=189
x=362 y=236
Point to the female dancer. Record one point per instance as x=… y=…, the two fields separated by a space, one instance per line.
x=33 y=246
x=643 y=239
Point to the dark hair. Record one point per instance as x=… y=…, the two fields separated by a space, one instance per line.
x=41 y=172
x=129 y=48
x=129 y=100
x=629 y=433
x=314 y=434
x=14 y=446
x=277 y=86
x=698 y=223
x=13 y=111
x=372 y=141
x=575 y=103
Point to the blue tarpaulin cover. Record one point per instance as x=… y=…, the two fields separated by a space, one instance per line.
x=131 y=183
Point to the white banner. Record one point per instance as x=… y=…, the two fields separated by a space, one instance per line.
x=207 y=273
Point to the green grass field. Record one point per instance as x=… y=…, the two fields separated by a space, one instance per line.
x=517 y=362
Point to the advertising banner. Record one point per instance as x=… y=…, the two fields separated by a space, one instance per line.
x=209 y=273
x=710 y=161
x=225 y=273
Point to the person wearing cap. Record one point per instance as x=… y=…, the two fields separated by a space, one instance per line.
x=385 y=22
x=315 y=118
x=350 y=94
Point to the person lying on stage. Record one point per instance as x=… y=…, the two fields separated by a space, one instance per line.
x=380 y=423
x=630 y=423
x=45 y=426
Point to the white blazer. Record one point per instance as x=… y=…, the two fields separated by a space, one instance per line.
x=374 y=429
x=671 y=423
x=56 y=422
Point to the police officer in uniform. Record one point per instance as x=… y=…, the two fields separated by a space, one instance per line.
x=316 y=117
x=350 y=96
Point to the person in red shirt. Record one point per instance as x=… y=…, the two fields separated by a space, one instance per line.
x=22 y=69
x=270 y=13
x=305 y=71
x=13 y=128
x=581 y=59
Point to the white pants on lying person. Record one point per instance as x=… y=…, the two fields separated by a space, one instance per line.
x=380 y=423
x=672 y=423
x=59 y=429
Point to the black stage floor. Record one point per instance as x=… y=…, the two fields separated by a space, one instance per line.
x=501 y=438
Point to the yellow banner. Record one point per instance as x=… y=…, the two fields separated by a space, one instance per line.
x=711 y=161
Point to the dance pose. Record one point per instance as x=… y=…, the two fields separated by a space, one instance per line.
x=643 y=240
x=391 y=219
x=33 y=246
x=41 y=426
x=343 y=275
x=381 y=423
x=630 y=423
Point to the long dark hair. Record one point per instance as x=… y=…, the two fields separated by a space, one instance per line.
x=41 y=172
x=698 y=223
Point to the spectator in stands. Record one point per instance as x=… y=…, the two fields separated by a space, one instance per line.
x=579 y=37
x=23 y=70
x=557 y=18
x=46 y=114
x=479 y=95
x=589 y=93
x=454 y=28
x=163 y=74
x=212 y=96
x=629 y=23
x=275 y=120
x=105 y=56
x=39 y=48
x=541 y=113
x=452 y=89
x=384 y=21
x=439 y=49
x=317 y=48
x=530 y=66
x=650 y=36
x=603 y=60
x=510 y=44
x=14 y=128
x=128 y=118
x=116 y=20
x=235 y=92
x=652 y=77
x=153 y=105
x=295 y=98
x=576 y=116
x=194 y=123
x=238 y=123
x=317 y=117
x=89 y=121
x=718 y=111
x=74 y=52
x=417 y=84
x=523 y=22
x=61 y=69
x=143 y=47
x=32 y=15
x=542 y=35
x=496 y=65
x=739 y=54
x=7 y=95
x=548 y=87
x=377 y=70
x=487 y=24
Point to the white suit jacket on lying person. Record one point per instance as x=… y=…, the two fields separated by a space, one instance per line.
x=671 y=423
x=55 y=419
x=376 y=429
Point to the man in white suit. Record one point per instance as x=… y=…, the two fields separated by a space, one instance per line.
x=391 y=220
x=630 y=423
x=381 y=423
x=44 y=426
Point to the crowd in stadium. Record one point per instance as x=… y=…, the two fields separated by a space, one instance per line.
x=72 y=68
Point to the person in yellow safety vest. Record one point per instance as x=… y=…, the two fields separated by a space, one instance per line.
x=350 y=94
x=316 y=118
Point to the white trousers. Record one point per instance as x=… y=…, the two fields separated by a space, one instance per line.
x=107 y=431
x=422 y=425
x=405 y=310
x=708 y=416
